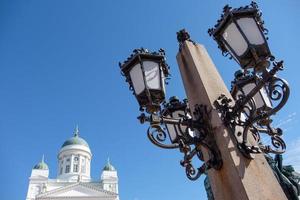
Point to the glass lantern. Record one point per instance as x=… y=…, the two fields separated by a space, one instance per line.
x=241 y=33
x=146 y=73
x=176 y=109
x=244 y=84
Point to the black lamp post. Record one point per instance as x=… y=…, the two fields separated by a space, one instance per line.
x=257 y=92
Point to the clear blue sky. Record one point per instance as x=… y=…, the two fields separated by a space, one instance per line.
x=59 y=67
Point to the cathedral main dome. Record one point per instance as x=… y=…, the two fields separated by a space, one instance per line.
x=74 y=159
x=75 y=140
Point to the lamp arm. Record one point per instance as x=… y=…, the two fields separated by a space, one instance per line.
x=155 y=119
x=190 y=145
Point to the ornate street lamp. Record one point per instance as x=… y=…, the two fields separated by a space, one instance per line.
x=241 y=33
x=146 y=73
x=257 y=95
x=255 y=115
x=257 y=91
x=177 y=109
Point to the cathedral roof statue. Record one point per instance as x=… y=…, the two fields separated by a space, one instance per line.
x=41 y=165
x=75 y=140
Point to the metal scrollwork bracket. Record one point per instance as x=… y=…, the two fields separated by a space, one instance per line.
x=203 y=139
x=191 y=143
x=225 y=107
x=244 y=117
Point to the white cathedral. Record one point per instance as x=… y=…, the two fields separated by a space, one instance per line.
x=73 y=177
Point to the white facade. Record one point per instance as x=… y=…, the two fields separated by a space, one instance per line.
x=73 y=179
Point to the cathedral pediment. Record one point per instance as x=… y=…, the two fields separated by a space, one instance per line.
x=78 y=191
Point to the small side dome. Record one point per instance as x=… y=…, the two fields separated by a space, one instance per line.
x=75 y=140
x=41 y=165
x=108 y=166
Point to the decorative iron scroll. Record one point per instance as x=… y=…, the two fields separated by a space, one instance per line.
x=158 y=136
x=190 y=145
x=256 y=121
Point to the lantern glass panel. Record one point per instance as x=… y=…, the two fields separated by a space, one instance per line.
x=232 y=54
x=172 y=131
x=266 y=98
x=162 y=79
x=251 y=30
x=243 y=116
x=235 y=39
x=246 y=111
x=136 y=76
x=176 y=130
x=261 y=98
x=180 y=128
x=190 y=132
x=152 y=75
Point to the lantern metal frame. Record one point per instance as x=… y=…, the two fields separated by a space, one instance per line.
x=255 y=56
x=148 y=99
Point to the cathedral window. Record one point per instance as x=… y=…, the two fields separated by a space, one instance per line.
x=61 y=170
x=75 y=168
x=76 y=158
x=67 y=169
x=68 y=160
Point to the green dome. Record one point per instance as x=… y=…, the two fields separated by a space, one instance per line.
x=41 y=165
x=108 y=167
x=75 y=140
